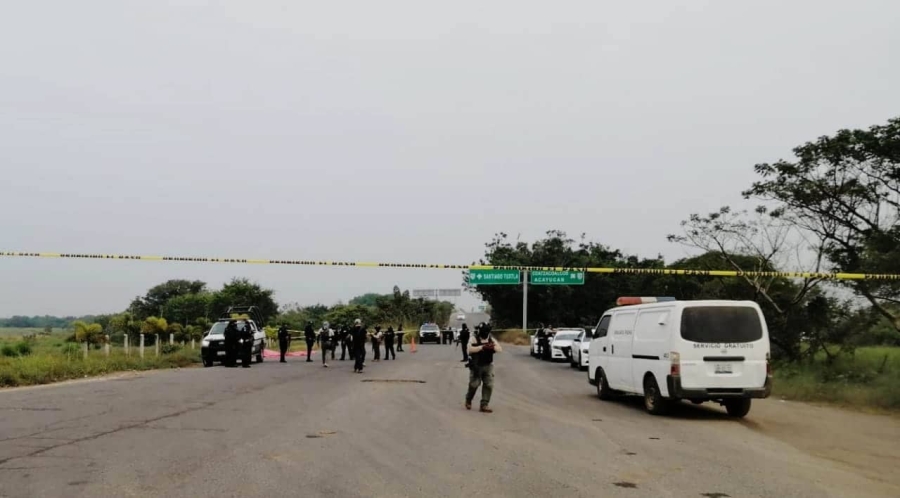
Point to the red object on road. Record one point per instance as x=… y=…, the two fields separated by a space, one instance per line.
x=268 y=353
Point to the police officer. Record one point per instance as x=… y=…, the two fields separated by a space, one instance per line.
x=400 y=337
x=284 y=340
x=231 y=343
x=344 y=337
x=351 y=348
x=464 y=340
x=541 y=341
x=358 y=335
x=310 y=335
x=326 y=342
x=481 y=369
x=246 y=345
x=376 y=343
x=389 y=336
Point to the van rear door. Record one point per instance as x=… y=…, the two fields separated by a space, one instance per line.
x=621 y=333
x=723 y=346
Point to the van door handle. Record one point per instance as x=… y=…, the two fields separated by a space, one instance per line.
x=604 y=349
x=613 y=349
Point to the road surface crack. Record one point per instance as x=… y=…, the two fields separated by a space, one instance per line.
x=107 y=433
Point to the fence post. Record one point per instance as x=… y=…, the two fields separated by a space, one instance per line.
x=192 y=343
x=85 y=349
x=106 y=346
x=126 y=344
x=142 y=346
x=156 y=342
x=171 y=339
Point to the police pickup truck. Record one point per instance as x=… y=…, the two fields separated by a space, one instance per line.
x=212 y=348
x=429 y=332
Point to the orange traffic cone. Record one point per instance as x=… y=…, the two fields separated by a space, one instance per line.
x=412 y=344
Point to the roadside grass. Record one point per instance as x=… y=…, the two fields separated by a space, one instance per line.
x=870 y=378
x=516 y=337
x=47 y=359
x=19 y=332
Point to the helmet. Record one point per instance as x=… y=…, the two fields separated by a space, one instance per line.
x=357 y=322
x=325 y=325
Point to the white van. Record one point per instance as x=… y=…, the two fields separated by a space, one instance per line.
x=673 y=350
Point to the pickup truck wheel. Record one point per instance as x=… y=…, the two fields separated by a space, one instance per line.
x=207 y=363
x=654 y=402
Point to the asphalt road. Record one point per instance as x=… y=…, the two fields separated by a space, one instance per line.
x=302 y=430
x=472 y=319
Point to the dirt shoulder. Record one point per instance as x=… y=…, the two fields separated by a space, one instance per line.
x=864 y=443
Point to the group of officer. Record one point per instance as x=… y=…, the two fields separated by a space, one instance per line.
x=352 y=341
x=478 y=351
x=238 y=344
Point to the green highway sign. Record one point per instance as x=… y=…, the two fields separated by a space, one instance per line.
x=493 y=277
x=557 y=278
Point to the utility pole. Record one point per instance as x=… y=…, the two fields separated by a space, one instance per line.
x=525 y=301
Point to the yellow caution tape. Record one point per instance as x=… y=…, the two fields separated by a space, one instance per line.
x=615 y=271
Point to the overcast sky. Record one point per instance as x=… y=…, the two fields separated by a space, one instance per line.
x=403 y=131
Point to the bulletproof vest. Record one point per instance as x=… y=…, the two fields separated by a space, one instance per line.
x=484 y=357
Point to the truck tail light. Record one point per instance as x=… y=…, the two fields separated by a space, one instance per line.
x=768 y=364
x=675 y=368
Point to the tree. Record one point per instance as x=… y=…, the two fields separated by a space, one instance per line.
x=241 y=292
x=346 y=314
x=154 y=326
x=761 y=242
x=846 y=190
x=560 y=305
x=367 y=299
x=187 y=308
x=152 y=303
x=178 y=332
x=91 y=333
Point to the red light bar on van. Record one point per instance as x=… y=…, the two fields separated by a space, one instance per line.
x=627 y=301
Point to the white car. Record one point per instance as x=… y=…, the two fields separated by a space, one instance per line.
x=561 y=344
x=581 y=350
x=461 y=317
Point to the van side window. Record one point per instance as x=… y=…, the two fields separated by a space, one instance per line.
x=602 y=327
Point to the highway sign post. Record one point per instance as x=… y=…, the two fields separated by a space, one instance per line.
x=557 y=278
x=494 y=277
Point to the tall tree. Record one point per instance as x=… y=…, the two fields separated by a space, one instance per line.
x=187 y=308
x=846 y=189
x=242 y=292
x=151 y=304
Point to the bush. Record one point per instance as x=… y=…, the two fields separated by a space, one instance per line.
x=70 y=349
x=8 y=351
x=23 y=348
x=169 y=348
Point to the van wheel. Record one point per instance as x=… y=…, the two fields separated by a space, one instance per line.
x=572 y=364
x=603 y=390
x=654 y=402
x=737 y=408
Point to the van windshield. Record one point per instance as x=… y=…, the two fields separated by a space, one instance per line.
x=720 y=324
